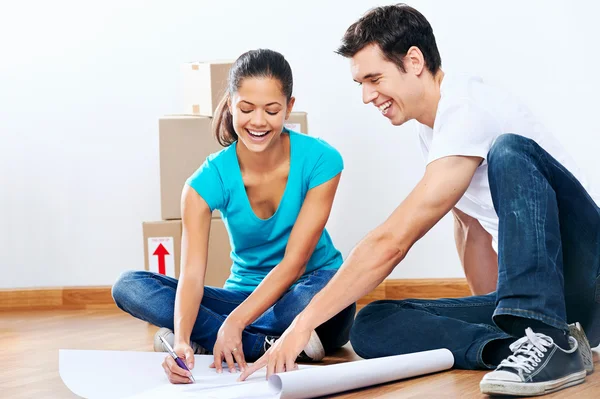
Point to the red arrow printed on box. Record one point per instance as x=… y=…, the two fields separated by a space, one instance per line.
x=161 y=252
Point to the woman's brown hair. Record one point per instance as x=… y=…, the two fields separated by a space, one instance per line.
x=261 y=63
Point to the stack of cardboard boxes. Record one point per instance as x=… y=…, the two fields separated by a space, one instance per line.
x=184 y=143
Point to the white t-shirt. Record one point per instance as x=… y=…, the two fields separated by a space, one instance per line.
x=470 y=116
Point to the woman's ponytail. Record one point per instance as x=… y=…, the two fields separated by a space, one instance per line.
x=223 y=123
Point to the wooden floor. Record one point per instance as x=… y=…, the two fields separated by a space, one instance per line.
x=29 y=344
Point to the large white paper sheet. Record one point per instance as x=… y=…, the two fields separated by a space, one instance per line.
x=115 y=374
x=249 y=390
x=110 y=374
x=121 y=374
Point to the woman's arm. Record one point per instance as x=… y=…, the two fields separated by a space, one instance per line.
x=303 y=239
x=196 y=216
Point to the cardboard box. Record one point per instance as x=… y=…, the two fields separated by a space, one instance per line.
x=162 y=250
x=204 y=85
x=184 y=143
x=297 y=122
x=162 y=246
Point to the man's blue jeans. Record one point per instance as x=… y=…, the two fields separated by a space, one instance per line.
x=548 y=267
x=151 y=297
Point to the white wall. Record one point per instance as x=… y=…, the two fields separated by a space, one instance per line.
x=82 y=87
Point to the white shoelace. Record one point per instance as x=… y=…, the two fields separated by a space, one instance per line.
x=269 y=341
x=527 y=351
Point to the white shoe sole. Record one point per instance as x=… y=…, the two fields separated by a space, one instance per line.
x=530 y=388
x=314 y=349
x=577 y=332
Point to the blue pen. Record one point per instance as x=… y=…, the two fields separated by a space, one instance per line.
x=177 y=359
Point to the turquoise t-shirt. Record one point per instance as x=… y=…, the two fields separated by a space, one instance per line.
x=258 y=245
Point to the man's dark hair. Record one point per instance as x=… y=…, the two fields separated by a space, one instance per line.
x=395 y=29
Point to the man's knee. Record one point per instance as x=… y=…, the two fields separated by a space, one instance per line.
x=367 y=333
x=505 y=148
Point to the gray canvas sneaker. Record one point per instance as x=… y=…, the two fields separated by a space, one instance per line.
x=537 y=366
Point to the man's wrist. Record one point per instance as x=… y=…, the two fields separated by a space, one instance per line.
x=304 y=322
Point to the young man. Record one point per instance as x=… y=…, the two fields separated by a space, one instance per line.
x=514 y=191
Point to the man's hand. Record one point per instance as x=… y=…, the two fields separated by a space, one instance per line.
x=282 y=355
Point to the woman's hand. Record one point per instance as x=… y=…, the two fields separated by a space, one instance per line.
x=176 y=374
x=228 y=346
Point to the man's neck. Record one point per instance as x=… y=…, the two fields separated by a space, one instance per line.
x=431 y=98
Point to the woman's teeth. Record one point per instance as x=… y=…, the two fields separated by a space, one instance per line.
x=257 y=134
x=384 y=107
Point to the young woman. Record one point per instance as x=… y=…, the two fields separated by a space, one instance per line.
x=274 y=188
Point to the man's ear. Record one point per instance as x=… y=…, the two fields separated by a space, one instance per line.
x=414 y=62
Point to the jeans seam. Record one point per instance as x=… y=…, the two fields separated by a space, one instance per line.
x=309 y=278
x=207 y=295
x=435 y=305
x=156 y=276
x=480 y=351
x=211 y=313
x=319 y=271
x=556 y=323
x=256 y=347
x=491 y=328
x=145 y=275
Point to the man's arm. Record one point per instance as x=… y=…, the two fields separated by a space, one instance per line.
x=373 y=259
x=478 y=258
